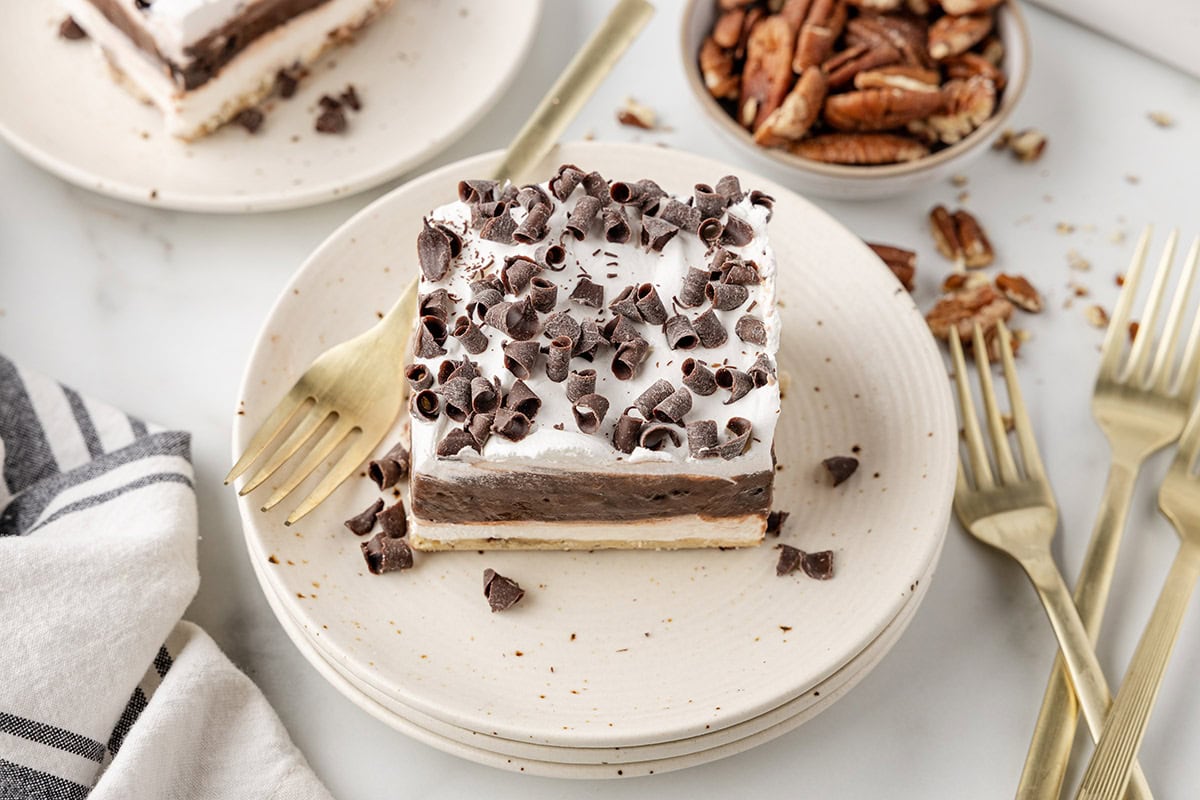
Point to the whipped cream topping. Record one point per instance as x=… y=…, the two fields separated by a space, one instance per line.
x=554 y=439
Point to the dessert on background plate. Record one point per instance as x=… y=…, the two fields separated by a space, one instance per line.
x=202 y=62
x=594 y=367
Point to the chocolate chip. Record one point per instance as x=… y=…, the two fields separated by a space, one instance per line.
x=69 y=29
x=691 y=294
x=752 y=330
x=455 y=440
x=350 y=98
x=385 y=554
x=502 y=593
x=657 y=392
x=533 y=228
x=629 y=357
x=656 y=233
x=477 y=191
x=680 y=333
x=775 y=522
x=737 y=232
x=580 y=382
x=249 y=118
x=331 y=120
x=589 y=412
x=656 y=436
x=393 y=521
x=361 y=524
x=841 y=468
x=473 y=340
x=789 y=559
x=650 y=305
x=387 y=470
x=627 y=433
x=709 y=329
x=563 y=184
x=710 y=204
x=698 y=377
x=579 y=221
x=520 y=357
x=287 y=81
x=522 y=399
x=737 y=382
x=674 y=408
x=544 y=295
x=433 y=252
x=484 y=396
x=762 y=371
x=588 y=294
x=517 y=272
x=616 y=225
x=456 y=398
x=425 y=405
x=499 y=228
x=818 y=565
x=558 y=358
x=512 y=425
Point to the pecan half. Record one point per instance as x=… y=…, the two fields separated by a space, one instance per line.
x=768 y=72
x=876 y=5
x=843 y=66
x=968 y=65
x=879 y=109
x=822 y=26
x=902 y=263
x=729 y=5
x=960 y=7
x=965 y=106
x=860 y=148
x=977 y=250
x=962 y=309
x=716 y=66
x=753 y=15
x=1020 y=291
x=799 y=111
x=950 y=36
x=727 y=31
x=945 y=233
x=992 y=50
x=794 y=12
x=957 y=281
x=908 y=35
x=899 y=76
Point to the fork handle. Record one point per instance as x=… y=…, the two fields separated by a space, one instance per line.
x=1085 y=672
x=1054 y=733
x=1108 y=770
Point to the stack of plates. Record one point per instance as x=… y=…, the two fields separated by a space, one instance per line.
x=629 y=663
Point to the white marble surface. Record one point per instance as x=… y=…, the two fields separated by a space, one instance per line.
x=155 y=311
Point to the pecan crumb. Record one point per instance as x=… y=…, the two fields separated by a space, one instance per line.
x=1096 y=316
x=1133 y=330
x=902 y=263
x=963 y=308
x=1161 y=118
x=1077 y=262
x=1028 y=144
x=1064 y=228
x=637 y=115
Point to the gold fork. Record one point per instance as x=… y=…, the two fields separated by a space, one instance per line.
x=1012 y=508
x=1179 y=501
x=355 y=390
x=1140 y=403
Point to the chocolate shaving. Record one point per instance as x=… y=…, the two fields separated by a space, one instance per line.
x=682 y=216
x=620 y=329
x=428 y=333
x=393 y=521
x=456 y=398
x=596 y=186
x=710 y=230
x=533 y=228
x=789 y=559
x=841 y=468
x=762 y=371
x=656 y=233
x=502 y=593
x=737 y=382
x=650 y=305
x=425 y=404
x=775 y=522
x=752 y=330
x=523 y=400
x=654 y=437
x=698 y=377
x=726 y=296
x=388 y=469
x=543 y=294
x=512 y=425
x=702 y=438
x=674 y=408
x=517 y=272
x=361 y=524
x=579 y=221
x=627 y=194
x=710 y=330
x=519 y=320
x=818 y=566
x=737 y=232
x=473 y=340
x=483 y=299
x=616 y=225
x=499 y=228
x=741 y=273
x=484 y=396
x=650 y=194
x=418 y=377
x=580 y=382
x=449 y=369
x=763 y=199
x=741 y=429
x=589 y=340
x=720 y=258
x=385 y=554
x=709 y=203
x=589 y=412
x=629 y=357
x=558 y=358
x=508 y=194
x=552 y=257
x=437 y=304
x=480 y=428
x=657 y=392
x=433 y=252
x=532 y=195
x=563 y=184
x=625 y=305
x=588 y=294
x=680 y=333
x=520 y=357
x=455 y=440
x=562 y=323
x=481 y=213
x=627 y=433
x=477 y=191
x=731 y=188
x=691 y=294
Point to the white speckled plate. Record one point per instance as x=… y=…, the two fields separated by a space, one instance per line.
x=427 y=71
x=618 y=648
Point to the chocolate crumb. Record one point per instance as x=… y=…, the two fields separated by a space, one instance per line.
x=775 y=522
x=287 y=81
x=502 y=593
x=69 y=29
x=249 y=118
x=841 y=468
x=361 y=524
x=331 y=120
x=386 y=554
x=818 y=565
x=789 y=559
x=350 y=97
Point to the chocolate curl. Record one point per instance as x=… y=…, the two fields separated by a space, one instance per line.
x=477 y=191
x=818 y=566
x=519 y=358
x=737 y=232
x=361 y=524
x=737 y=382
x=589 y=341
x=509 y=194
x=629 y=357
x=702 y=438
x=482 y=212
x=726 y=296
x=387 y=470
x=580 y=382
x=731 y=188
x=558 y=359
x=532 y=195
x=649 y=305
x=385 y=554
x=682 y=216
x=569 y=176
x=455 y=440
x=620 y=329
x=517 y=272
x=762 y=371
x=710 y=330
x=657 y=392
x=720 y=258
x=482 y=299
x=418 y=377
x=589 y=412
x=447 y=369
x=741 y=429
x=543 y=294
x=596 y=186
x=499 y=228
x=710 y=204
x=480 y=428
x=680 y=333
x=741 y=273
x=425 y=405
x=436 y=304
x=710 y=230
x=579 y=221
x=433 y=252
x=533 y=228
x=624 y=304
x=752 y=330
x=588 y=294
x=502 y=593
x=519 y=320
x=763 y=199
x=627 y=433
x=698 y=377
x=523 y=400
x=393 y=521
x=656 y=233
x=484 y=397
x=456 y=399
x=691 y=294
x=457 y=369
x=552 y=257
x=775 y=522
x=512 y=425
x=430 y=335
x=562 y=323
x=473 y=340
x=616 y=226
x=675 y=407
x=789 y=559
x=645 y=194
x=654 y=437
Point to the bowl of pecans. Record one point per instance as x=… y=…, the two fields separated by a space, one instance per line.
x=857 y=99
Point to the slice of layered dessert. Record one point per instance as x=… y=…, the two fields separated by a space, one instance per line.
x=594 y=367
x=201 y=62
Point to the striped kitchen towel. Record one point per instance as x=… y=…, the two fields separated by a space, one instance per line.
x=104 y=692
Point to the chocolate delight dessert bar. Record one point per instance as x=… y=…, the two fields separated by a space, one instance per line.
x=203 y=61
x=594 y=367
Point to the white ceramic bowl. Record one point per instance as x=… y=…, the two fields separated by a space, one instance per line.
x=848 y=182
